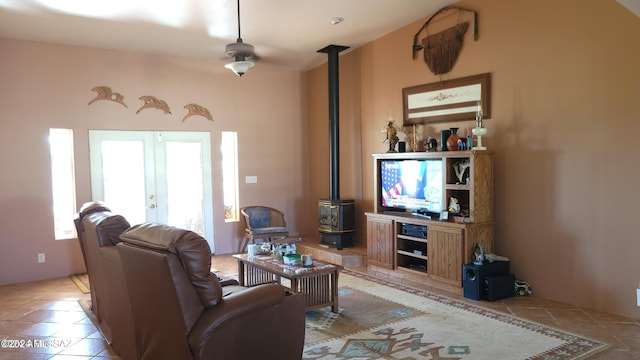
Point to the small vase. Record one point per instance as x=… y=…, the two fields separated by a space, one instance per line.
x=444 y=135
x=452 y=140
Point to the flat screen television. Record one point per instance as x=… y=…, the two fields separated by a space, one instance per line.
x=410 y=185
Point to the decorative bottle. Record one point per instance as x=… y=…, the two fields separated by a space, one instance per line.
x=452 y=140
x=479 y=131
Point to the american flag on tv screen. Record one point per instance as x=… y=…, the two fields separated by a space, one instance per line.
x=391 y=182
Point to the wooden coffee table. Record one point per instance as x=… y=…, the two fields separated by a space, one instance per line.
x=318 y=283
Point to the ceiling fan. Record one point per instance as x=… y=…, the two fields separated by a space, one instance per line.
x=242 y=53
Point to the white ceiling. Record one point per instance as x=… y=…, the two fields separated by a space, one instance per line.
x=285 y=33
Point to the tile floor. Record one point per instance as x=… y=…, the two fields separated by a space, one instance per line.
x=47 y=314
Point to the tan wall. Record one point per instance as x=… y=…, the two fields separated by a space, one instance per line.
x=46 y=86
x=566 y=85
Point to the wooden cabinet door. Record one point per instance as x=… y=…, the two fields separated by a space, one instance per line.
x=445 y=253
x=380 y=240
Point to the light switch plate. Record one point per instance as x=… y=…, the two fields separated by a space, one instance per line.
x=250 y=179
x=638 y=296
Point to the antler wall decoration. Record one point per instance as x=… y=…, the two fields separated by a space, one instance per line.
x=441 y=50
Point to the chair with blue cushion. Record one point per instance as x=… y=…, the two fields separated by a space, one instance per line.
x=263 y=222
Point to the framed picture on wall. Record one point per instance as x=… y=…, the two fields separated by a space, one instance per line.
x=450 y=100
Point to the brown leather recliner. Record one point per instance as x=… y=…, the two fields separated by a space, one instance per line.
x=98 y=232
x=179 y=309
x=89 y=253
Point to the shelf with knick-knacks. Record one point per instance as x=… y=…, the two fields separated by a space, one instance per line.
x=450 y=140
x=469 y=185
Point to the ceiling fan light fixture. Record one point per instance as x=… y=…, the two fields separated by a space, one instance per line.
x=239 y=67
x=241 y=52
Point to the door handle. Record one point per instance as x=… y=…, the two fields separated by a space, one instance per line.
x=152 y=206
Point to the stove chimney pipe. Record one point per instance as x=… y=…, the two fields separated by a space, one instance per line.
x=332 y=52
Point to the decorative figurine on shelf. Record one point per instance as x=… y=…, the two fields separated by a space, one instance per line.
x=479 y=131
x=454 y=207
x=478 y=254
x=431 y=144
x=460 y=167
x=392 y=136
x=413 y=138
x=462 y=145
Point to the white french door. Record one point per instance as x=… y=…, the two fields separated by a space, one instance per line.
x=152 y=176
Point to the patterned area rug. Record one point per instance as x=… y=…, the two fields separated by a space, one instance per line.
x=379 y=319
x=382 y=320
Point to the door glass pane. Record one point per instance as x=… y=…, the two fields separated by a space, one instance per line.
x=162 y=177
x=185 y=191
x=123 y=171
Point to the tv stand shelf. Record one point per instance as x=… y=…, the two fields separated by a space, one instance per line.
x=420 y=249
x=412 y=238
x=406 y=253
x=457 y=187
x=411 y=250
x=444 y=249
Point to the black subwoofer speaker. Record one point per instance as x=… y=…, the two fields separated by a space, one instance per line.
x=498 y=287
x=473 y=278
x=471 y=282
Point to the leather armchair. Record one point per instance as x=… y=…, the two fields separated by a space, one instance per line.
x=179 y=309
x=89 y=253
x=98 y=232
x=263 y=222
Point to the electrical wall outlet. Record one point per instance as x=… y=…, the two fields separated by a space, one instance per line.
x=251 y=179
x=40 y=258
x=638 y=297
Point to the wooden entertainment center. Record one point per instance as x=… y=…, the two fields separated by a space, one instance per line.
x=419 y=249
